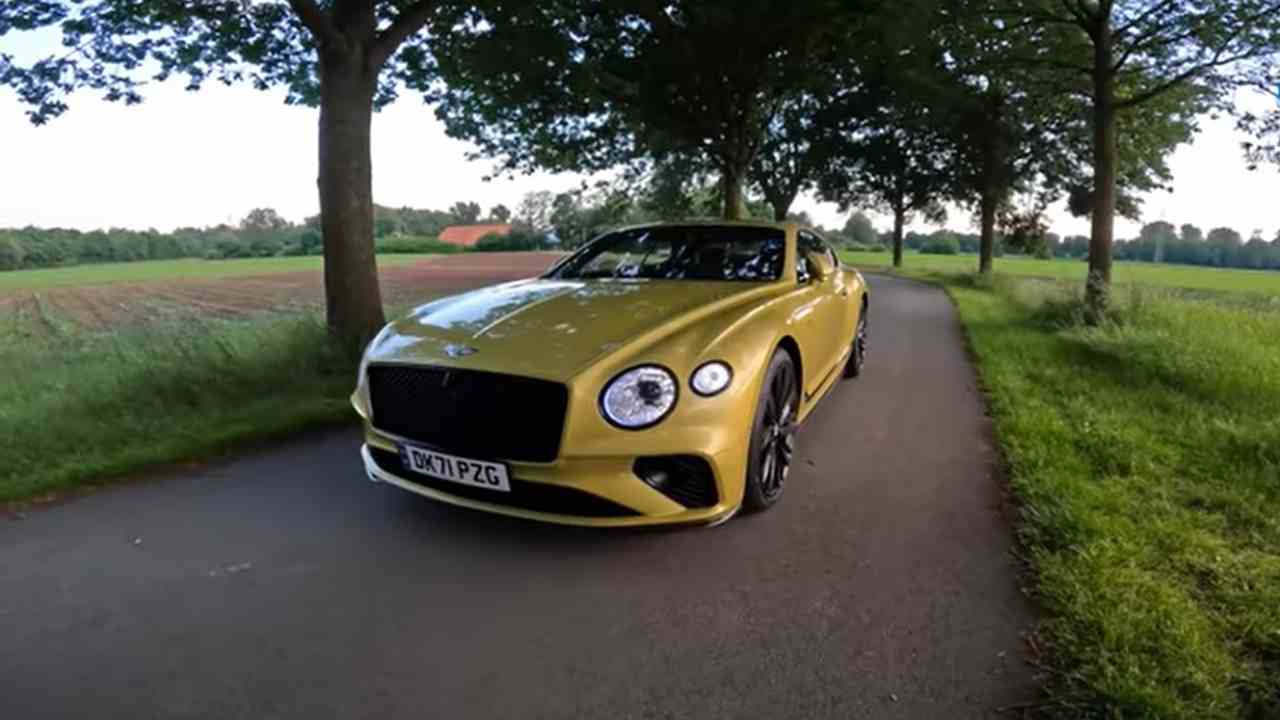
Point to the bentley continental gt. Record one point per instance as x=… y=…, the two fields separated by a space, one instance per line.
x=656 y=375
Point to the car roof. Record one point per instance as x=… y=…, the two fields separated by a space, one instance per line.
x=715 y=222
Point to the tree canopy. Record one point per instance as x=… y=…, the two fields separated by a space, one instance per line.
x=592 y=85
x=1142 y=70
x=999 y=106
x=348 y=57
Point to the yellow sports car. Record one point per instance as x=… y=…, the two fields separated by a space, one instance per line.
x=656 y=375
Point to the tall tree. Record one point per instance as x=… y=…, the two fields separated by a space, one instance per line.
x=583 y=85
x=1158 y=235
x=671 y=189
x=894 y=170
x=987 y=154
x=1021 y=138
x=466 y=212
x=263 y=219
x=803 y=136
x=535 y=209
x=500 y=213
x=859 y=229
x=1128 y=54
x=1224 y=243
x=897 y=161
x=896 y=151
x=793 y=147
x=349 y=57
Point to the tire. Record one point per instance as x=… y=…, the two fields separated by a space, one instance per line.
x=858 y=354
x=772 y=445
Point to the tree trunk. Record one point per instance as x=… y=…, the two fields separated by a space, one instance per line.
x=1098 y=285
x=782 y=208
x=353 y=299
x=899 y=221
x=987 y=245
x=733 y=205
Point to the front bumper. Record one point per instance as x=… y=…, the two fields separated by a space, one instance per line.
x=598 y=492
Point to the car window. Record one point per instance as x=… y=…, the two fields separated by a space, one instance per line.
x=680 y=252
x=802 y=268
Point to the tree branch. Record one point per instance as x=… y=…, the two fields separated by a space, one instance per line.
x=408 y=22
x=315 y=20
x=1150 y=40
x=1161 y=88
x=1049 y=62
x=1077 y=11
x=1155 y=38
x=1141 y=17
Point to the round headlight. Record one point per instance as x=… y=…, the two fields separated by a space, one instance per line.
x=711 y=378
x=639 y=397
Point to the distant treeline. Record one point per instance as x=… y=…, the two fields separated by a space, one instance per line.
x=1157 y=242
x=938 y=242
x=1188 y=245
x=262 y=233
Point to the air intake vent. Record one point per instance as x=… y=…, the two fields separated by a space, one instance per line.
x=687 y=479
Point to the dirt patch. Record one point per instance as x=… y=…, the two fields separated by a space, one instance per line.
x=101 y=307
x=455 y=273
x=105 y=306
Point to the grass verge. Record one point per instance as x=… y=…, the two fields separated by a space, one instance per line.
x=79 y=406
x=1146 y=457
x=1230 y=280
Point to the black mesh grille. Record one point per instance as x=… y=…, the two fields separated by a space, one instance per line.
x=539 y=497
x=687 y=479
x=480 y=414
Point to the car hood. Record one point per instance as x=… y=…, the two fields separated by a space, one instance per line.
x=548 y=328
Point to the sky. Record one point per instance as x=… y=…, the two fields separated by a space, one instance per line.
x=201 y=158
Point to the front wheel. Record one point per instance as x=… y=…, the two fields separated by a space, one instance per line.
x=858 y=353
x=773 y=434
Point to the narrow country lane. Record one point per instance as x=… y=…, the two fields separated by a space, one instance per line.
x=281 y=584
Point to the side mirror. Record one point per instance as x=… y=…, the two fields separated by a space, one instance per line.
x=819 y=267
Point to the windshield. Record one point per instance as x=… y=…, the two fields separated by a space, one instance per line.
x=681 y=252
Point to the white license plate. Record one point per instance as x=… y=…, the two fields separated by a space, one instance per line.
x=465 y=471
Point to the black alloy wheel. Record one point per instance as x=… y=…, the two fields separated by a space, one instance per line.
x=858 y=354
x=773 y=434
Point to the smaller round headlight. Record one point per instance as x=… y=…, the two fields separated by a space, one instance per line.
x=639 y=397
x=711 y=378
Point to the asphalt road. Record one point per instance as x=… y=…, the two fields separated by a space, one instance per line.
x=283 y=585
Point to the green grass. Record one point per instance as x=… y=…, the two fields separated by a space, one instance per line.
x=1145 y=455
x=77 y=407
x=81 y=405
x=185 y=268
x=1266 y=282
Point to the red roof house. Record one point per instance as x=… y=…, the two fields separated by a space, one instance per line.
x=468 y=235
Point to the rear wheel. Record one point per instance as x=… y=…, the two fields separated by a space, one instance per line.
x=858 y=353
x=773 y=434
